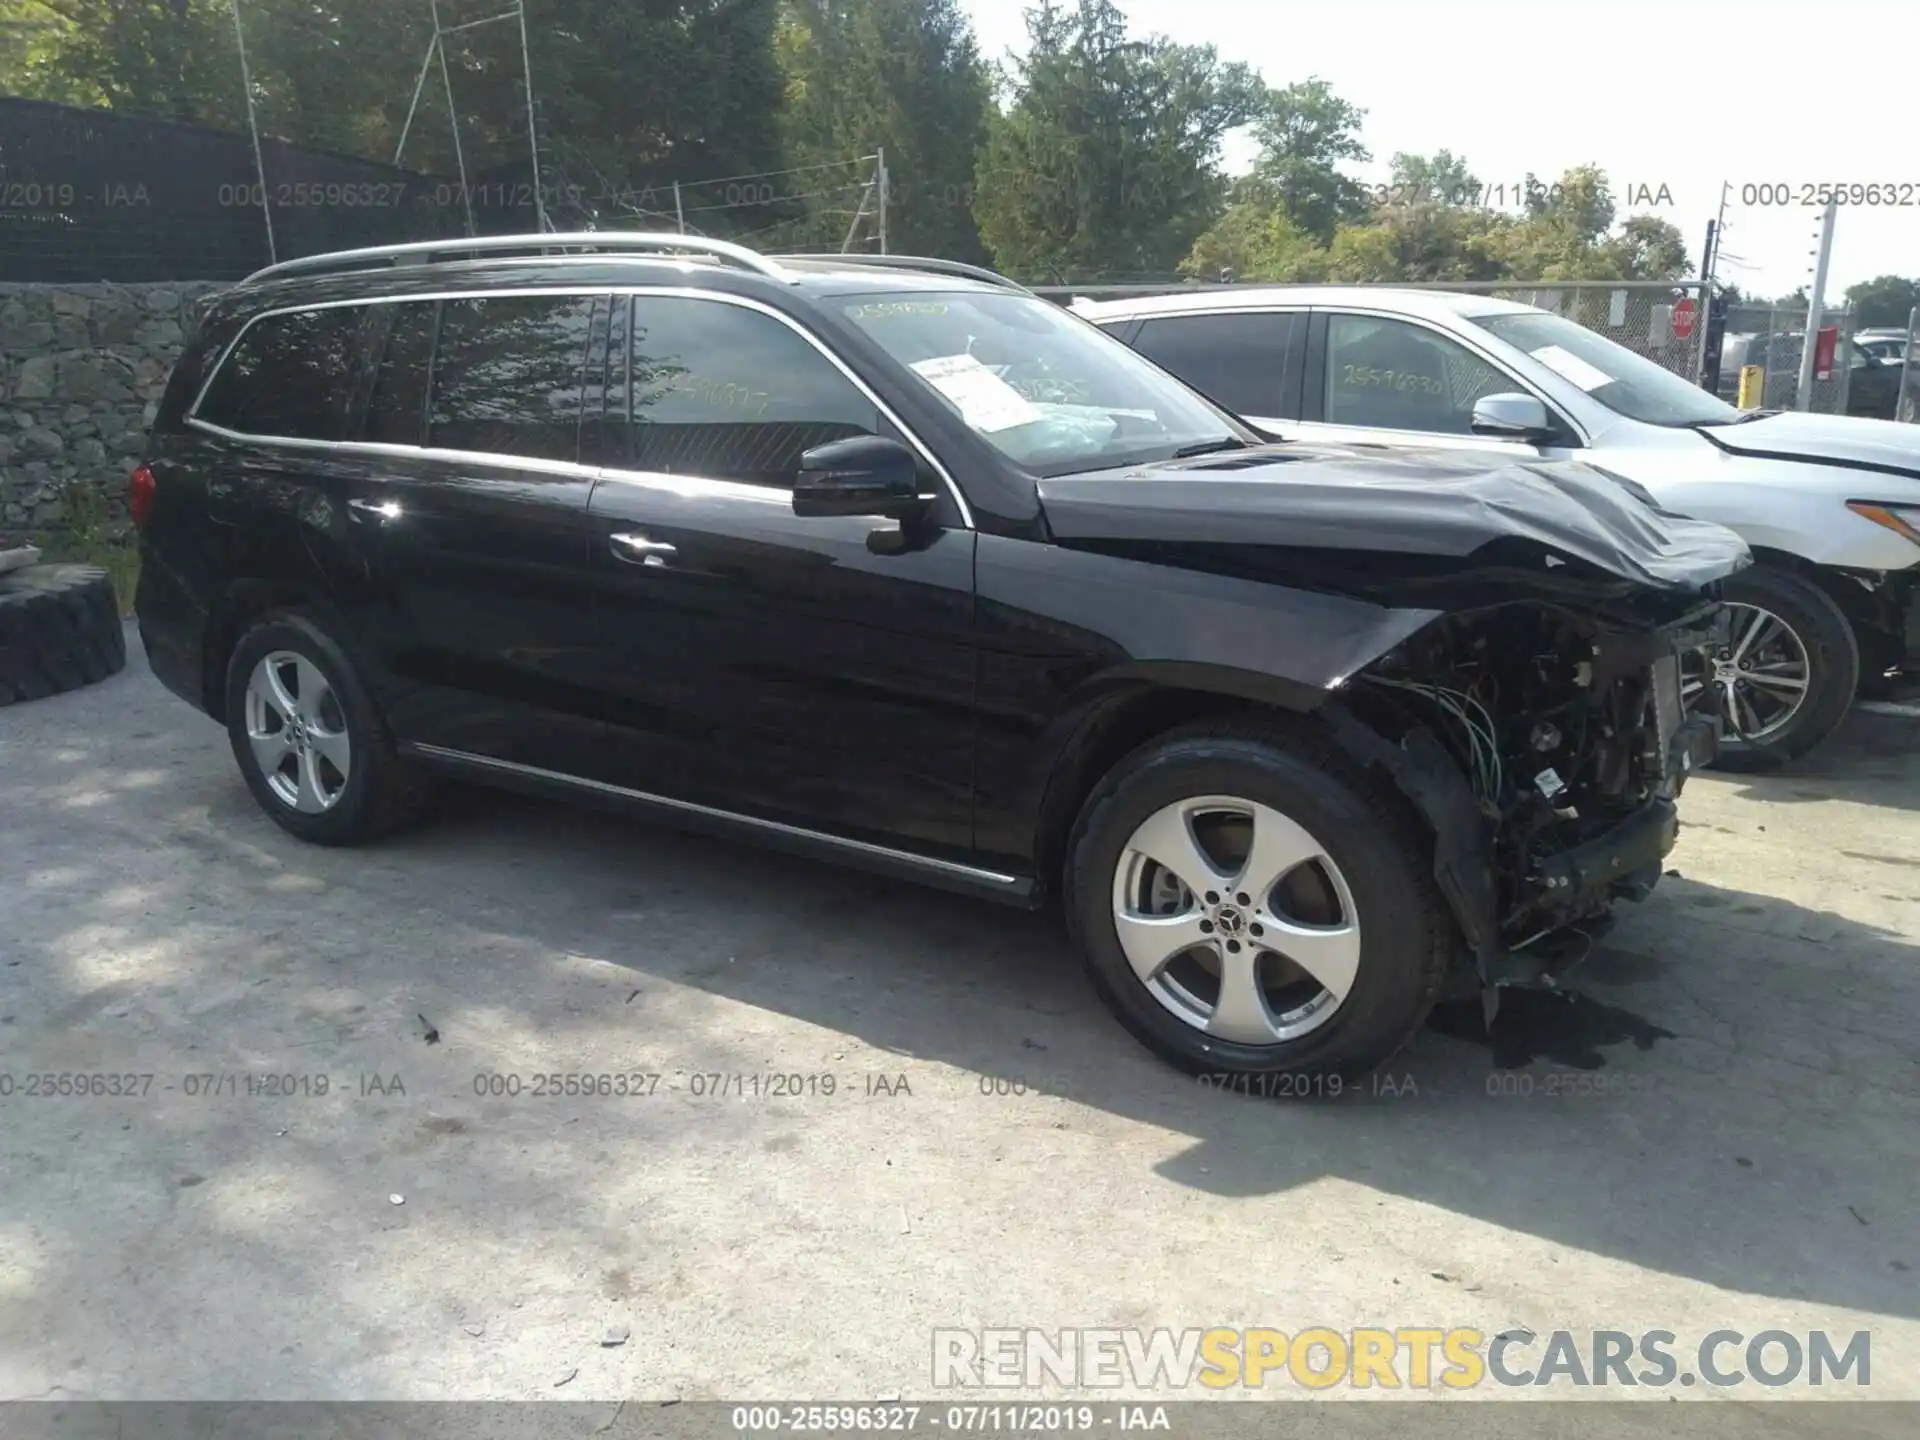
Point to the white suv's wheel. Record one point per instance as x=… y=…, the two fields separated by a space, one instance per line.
x=1786 y=677
x=1250 y=903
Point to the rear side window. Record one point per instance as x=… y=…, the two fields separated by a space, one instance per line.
x=289 y=376
x=507 y=375
x=397 y=409
x=1237 y=361
x=725 y=392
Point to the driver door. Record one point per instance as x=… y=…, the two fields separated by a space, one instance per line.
x=813 y=672
x=1387 y=380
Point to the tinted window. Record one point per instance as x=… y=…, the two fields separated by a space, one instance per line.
x=1234 y=360
x=290 y=375
x=722 y=391
x=397 y=412
x=506 y=375
x=1400 y=376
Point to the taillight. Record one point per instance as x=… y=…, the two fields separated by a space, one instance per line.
x=140 y=490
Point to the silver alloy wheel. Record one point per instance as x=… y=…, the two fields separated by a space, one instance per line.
x=1236 y=920
x=298 y=732
x=1762 y=677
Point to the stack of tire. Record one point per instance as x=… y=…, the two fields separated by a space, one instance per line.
x=60 y=627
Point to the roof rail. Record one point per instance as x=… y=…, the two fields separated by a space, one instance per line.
x=662 y=244
x=917 y=262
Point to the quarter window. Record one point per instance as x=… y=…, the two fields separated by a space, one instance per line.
x=506 y=375
x=1394 y=375
x=290 y=376
x=721 y=391
x=1236 y=361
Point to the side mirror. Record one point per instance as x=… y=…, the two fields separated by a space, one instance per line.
x=1512 y=417
x=861 y=475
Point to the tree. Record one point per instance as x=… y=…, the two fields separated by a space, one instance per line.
x=1884 y=302
x=170 y=58
x=1306 y=133
x=900 y=75
x=1440 y=178
x=1104 y=160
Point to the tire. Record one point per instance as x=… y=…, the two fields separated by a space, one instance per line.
x=1831 y=662
x=373 y=793
x=60 y=628
x=1381 y=881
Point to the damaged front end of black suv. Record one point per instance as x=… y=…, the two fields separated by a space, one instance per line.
x=1533 y=709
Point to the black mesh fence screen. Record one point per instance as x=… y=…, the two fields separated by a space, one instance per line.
x=88 y=195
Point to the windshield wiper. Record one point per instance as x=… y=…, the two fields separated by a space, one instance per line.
x=1210 y=447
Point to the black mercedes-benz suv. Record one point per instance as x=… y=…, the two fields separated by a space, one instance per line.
x=891 y=562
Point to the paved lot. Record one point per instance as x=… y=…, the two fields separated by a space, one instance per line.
x=1748 y=1160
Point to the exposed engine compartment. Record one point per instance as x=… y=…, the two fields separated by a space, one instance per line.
x=1567 y=742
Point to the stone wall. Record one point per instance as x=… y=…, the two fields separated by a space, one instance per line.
x=81 y=371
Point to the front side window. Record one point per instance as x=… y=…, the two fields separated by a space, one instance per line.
x=507 y=375
x=1395 y=375
x=1043 y=387
x=1626 y=383
x=728 y=393
x=1234 y=360
x=289 y=376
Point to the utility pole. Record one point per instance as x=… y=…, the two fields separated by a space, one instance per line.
x=880 y=173
x=1816 y=307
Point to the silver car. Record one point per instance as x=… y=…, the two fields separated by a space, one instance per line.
x=1830 y=505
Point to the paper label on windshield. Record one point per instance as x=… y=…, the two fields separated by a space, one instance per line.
x=1572 y=367
x=985 y=401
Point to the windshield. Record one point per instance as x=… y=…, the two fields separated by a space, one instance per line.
x=1043 y=387
x=1624 y=382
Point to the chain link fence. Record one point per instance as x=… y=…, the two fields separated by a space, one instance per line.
x=1773 y=338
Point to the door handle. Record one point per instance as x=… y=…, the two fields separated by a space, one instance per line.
x=643 y=548
x=381 y=510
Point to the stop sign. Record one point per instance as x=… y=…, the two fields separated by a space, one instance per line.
x=1682 y=319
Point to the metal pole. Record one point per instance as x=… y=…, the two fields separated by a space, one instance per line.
x=1907 y=408
x=453 y=118
x=1816 y=307
x=253 y=124
x=880 y=172
x=419 y=86
x=859 y=214
x=533 y=140
x=679 y=215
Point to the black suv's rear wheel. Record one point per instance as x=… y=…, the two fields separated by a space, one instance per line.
x=312 y=746
x=1249 y=904
x=1788 y=675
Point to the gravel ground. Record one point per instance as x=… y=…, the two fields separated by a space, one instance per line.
x=1723 y=1134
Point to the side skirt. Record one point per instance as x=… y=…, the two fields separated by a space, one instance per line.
x=1017 y=891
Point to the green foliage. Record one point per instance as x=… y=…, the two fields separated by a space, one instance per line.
x=1884 y=302
x=903 y=76
x=1104 y=161
x=1306 y=133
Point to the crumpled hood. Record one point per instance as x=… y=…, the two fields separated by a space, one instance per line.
x=1439 y=504
x=1824 y=439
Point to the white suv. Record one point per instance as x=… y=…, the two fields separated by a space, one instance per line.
x=1830 y=505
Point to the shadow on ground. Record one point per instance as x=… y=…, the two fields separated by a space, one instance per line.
x=1730 y=1100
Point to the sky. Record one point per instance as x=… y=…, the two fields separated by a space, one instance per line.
x=1682 y=95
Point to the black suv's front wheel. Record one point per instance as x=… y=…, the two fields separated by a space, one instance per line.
x=1250 y=904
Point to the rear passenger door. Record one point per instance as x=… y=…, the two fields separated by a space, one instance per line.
x=815 y=672
x=467 y=523
x=1246 y=361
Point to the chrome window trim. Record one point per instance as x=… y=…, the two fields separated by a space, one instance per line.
x=611 y=472
x=864 y=847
